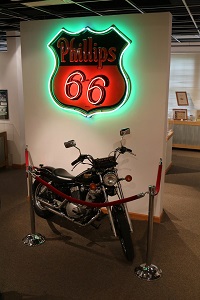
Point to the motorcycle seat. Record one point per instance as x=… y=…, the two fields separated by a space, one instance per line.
x=62 y=174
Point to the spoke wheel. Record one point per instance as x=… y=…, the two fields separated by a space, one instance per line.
x=40 y=191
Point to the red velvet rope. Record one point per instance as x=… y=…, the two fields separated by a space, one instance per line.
x=26 y=158
x=116 y=202
x=85 y=202
x=157 y=189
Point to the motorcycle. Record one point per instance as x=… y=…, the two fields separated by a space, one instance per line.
x=94 y=185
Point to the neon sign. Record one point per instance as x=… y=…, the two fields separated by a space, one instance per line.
x=89 y=76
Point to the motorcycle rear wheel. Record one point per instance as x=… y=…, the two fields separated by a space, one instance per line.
x=123 y=232
x=40 y=190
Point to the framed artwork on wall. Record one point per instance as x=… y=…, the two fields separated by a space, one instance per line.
x=180 y=114
x=4 y=104
x=182 y=98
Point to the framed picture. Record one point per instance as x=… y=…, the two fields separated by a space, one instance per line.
x=182 y=98
x=180 y=114
x=4 y=104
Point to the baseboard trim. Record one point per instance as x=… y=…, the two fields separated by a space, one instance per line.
x=140 y=217
x=168 y=168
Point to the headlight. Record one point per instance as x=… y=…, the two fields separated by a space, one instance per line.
x=110 y=179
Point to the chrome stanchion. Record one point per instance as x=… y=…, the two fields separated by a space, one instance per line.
x=32 y=239
x=148 y=271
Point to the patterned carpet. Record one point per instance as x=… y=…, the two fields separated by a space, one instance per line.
x=88 y=264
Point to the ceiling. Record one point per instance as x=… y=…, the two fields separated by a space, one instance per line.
x=185 y=14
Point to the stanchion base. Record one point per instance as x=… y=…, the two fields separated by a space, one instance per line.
x=148 y=273
x=33 y=239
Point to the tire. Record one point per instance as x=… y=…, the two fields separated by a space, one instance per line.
x=40 y=190
x=123 y=232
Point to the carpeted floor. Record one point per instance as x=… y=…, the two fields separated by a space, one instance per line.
x=88 y=264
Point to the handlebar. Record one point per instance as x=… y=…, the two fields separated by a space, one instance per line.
x=119 y=150
x=75 y=161
x=81 y=158
x=124 y=150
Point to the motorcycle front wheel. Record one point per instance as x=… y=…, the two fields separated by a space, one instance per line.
x=40 y=191
x=123 y=232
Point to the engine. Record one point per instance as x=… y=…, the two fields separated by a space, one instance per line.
x=82 y=213
x=74 y=211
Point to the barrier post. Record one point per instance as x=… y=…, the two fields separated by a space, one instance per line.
x=148 y=271
x=32 y=239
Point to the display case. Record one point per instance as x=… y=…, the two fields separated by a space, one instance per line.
x=186 y=134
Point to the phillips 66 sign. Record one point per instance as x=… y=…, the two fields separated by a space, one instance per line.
x=89 y=76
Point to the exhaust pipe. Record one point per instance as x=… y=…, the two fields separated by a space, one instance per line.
x=52 y=209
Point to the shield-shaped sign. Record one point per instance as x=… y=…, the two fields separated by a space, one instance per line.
x=89 y=76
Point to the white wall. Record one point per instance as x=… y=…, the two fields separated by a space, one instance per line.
x=11 y=80
x=146 y=61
